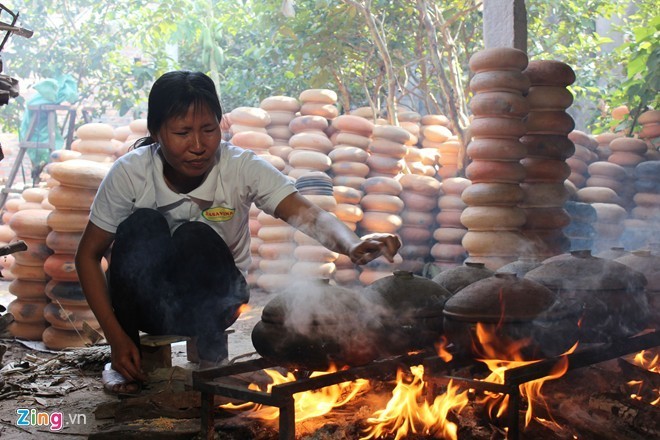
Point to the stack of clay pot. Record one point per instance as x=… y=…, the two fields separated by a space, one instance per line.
x=643 y=225
x=138 y=130
x=11 y=206
x=389 y=145
x=282 y=110
x=410 y=121
x=585 y=153
x=438 y=137
x=349 y=168
x=275 y=251
x=448 y=251
x=350 y=139
x=95 y=142
x=580 y=231
x=313 y=260
x=319 y=102
x=248 y=127
x=603 y=149
x=494 y=224
x=420 y=195
x=29 y=284
x=628 y=153
x=650 y=132
x=382 y=208
x=546 y=169
x=310 y=146
x=78 y=180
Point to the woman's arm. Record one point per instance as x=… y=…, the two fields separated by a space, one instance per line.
x=93 y=245
x=332 y=233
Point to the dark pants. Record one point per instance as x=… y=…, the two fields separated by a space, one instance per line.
x=181 y=284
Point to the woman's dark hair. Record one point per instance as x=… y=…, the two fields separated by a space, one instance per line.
x=172 y=95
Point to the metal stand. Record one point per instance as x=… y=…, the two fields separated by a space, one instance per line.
x=48 y=111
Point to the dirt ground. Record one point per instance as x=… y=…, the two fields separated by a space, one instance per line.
x=76 y=391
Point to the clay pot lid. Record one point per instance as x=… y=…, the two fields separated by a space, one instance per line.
x=405 y=291
x=501 y=298
x=314 y=302
x=642 y=261
x=613 y=253
x=521 y=266
x=459 y=277
x=580 y=271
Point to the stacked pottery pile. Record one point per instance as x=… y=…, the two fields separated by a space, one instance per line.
x=546 y=171
x=382 y=207
x=643 y=226
x=11 y=206
x=319 y=102
x=349 y=154
x=310 y=145
x=248 y=125
x=79 y=180
x=421 y=161
x=275 y=251
x=443 y=153
x=448 y=251
x=313 y=260
x=388 y=147
x=603 y=149
x=650 y=132
x=585 y=153
x=580 y=231
x=282 y=110
x=95 y=142
x=29 y=284
x=420 y=194
x=411 y=122
x=494 y=236
x=138 y=130
x=628 y=153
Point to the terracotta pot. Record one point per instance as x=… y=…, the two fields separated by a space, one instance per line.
x=512 y=81
x=496 y=149
x=549 y=98
x=490 y=171
x=502 y=194
x=498 y=58
x=518 y=311
x=521 y=266
x=611 y=293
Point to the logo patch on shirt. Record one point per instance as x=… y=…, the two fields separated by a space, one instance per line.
x=218 y=214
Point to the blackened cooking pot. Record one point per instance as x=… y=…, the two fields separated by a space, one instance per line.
x=521 y=319
x=612 y=294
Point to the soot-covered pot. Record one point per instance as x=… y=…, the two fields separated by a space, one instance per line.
x=314 y=325
x=458 y=277
x=612 y=294
x=518 y=316
x=411 y=311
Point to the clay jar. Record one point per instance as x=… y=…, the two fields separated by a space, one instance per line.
x=314 y=325
x=457 y=278
x=412 y=311
x=516 y=312
x=612 y=294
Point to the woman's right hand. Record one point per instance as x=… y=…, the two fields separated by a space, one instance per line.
x=126 y=358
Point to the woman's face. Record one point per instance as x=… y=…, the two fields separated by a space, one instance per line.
x=189 y=144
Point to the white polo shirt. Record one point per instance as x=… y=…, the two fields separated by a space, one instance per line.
x=238 y=179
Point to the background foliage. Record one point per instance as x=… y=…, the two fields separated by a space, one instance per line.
x=375 y=53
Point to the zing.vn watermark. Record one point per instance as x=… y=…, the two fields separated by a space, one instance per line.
x=54 y=421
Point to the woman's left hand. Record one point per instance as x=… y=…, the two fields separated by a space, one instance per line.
x=374 y=245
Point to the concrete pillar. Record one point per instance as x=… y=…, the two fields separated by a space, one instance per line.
x=505 y=24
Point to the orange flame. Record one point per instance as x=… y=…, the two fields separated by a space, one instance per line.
x=404 y=413
x=244 y=308
x=308 y=404
x=495 y=351
x=650 y=362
